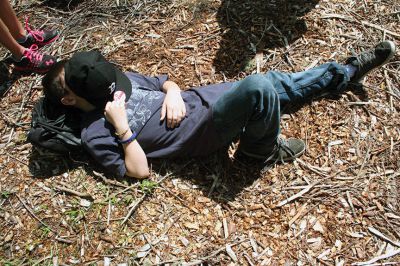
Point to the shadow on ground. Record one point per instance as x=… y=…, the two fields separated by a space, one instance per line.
x=62 y=4
x=45 y=164
x=217 y=176
x=252 y=26
x=7 y=77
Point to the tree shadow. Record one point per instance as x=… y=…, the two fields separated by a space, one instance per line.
x=253 y=26
x=219 y=177
x=65 y=5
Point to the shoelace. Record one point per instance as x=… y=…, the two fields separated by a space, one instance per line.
x=36 y=34
x=33 y=54
x=282 y=144
x=364 y=58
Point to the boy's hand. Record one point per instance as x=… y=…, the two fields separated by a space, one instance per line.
x=173 y=108
x=115 y=112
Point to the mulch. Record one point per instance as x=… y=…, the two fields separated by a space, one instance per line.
x=336 y=205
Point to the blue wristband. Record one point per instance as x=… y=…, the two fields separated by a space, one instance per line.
x=131 y=138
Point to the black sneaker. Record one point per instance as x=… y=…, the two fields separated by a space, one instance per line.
x=34 y=61
x=285 y=150
x=38 y=37
x=366 y=61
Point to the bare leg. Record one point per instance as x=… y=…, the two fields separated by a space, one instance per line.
x=9 y=18
x=9 y=42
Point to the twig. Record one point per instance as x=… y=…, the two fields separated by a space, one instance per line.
x=134 y=206
x=34 y=216
x=379 y=234
x=298 y=214
x=350 y=203
x=63 y=240
x=121 y=191
x=73 y=192
x=202 y=259
x=384 y=148
x=180 y=200
x=109 y=181
x=312 y=168
x=298 y=195
x=389 y=89
x=41 y=260
x=373 y=260
x=365 y=23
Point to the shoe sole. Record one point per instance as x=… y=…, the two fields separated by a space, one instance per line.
x=392 y=52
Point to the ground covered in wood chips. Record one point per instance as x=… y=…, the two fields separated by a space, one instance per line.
x=337 y=205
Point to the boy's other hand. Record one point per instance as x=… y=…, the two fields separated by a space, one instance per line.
x=173 y=108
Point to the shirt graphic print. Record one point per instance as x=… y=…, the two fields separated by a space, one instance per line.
x=140 y=106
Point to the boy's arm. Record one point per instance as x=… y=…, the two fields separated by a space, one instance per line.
x=173 y=106
x=135 y=158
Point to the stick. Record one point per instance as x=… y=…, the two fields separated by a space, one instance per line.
x=73 y=192
x=34 y=216
x=63 y=240
x=384 y=148
x=298 y=214
x=134 y=206
x=389 y=89
x=202 y=259
x=379 y=234
x=108 y=181
x=384 y=256
x=298 y=195
x=365 y=23
x=314 y=169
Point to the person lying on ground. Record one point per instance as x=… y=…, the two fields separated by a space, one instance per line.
x=24 y=43
x=128 y=118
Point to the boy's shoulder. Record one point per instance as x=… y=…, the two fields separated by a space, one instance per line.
x=94 y=125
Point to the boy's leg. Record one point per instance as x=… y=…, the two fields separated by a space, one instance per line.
x=329 y=77
x=250 y=109
x=298 y=87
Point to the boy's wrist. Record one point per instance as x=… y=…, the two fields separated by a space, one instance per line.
x=121 y=131
x=128 y=138
x=121 y=134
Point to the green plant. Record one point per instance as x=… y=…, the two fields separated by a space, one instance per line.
x=128 y=199
x=75 y=215
x=5 y=194
x=147 y=186
x=45 y=231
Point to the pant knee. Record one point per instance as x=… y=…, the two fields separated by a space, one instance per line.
x=259 y=86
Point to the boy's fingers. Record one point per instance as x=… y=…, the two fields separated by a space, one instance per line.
x=163 y=111
x=176 y=118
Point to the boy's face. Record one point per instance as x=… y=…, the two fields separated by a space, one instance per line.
x=61 y=78
x=68 y=90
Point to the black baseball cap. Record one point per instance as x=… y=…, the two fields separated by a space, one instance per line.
x=90 y=76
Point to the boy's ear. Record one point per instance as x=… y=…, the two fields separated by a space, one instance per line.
x=68 y=100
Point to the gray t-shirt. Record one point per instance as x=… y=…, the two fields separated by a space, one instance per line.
x=195 y=135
